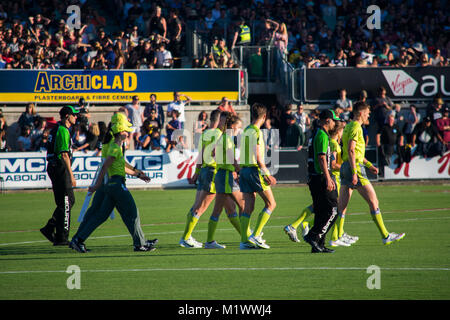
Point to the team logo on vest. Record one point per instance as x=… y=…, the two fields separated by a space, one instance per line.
x=401 y=83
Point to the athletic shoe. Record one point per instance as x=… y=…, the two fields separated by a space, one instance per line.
x=247 y=246
x=305 y=228
x=77 y=245
x=144 y=248
x=326 y=250
x=393 y=237
x=190 y=243
x=258 y=241
x=291 y=232
x=48 y=234
x=339 y=242
x=214 y=245
x=351 y=239
x=315 y=247
x=151 y=243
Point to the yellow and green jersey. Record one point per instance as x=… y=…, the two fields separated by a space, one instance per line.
x=225 y=150
x=206 y=145
x=117 y=168
x=250 y=139
x=335 y=147
x=353 y=131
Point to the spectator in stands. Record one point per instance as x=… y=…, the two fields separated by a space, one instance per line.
x=144 y=140
x=27 y=118
x=281 y=39
x=157 y=107
x=199 y=126
x=345 y=104
x=242 y=34
x=443 y=125
x=302 y=118
x=164 y=57
x=295 y=138
x=268 y=33
x=339 y=60
x=388 y=138
x=178 y=105
x=225 y=105
x=90 y=143
x=437 y=59
x=173 y=125
x=24 y=140
x=157 y=23
x=174 y=29
x=136 y=117
x=284 y=121
x=37 y=131
x=382 y=105
x=429 y=141
x=3 y=129
x=434 y=109
x=411 y=119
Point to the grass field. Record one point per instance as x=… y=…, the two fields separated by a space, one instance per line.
x=418 y=267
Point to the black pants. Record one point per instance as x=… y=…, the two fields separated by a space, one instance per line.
x=325 y=207
x=64 y=199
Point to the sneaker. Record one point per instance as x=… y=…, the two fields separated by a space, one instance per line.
x=258 y=241
x=214 y=245
x=190 y=243
x=393 y=237
x=151 y=243
x=351 y=239
x=48 y=234
x=305 y=228
x=247 y=246
x=339 y=243
x=77 y=245
x=292 y=233
x=144 y=248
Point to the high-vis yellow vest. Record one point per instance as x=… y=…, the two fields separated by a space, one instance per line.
x=244 y=35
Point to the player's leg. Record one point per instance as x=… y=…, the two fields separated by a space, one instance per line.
x=291 y=229
x=368 y=193
x=264 y=215
x=244 y=217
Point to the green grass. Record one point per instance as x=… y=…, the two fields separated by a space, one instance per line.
x=418 y=267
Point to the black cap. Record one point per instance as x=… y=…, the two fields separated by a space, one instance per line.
x=328 y=114
x=67 y=110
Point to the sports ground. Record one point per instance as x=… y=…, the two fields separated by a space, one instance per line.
x=417 y=267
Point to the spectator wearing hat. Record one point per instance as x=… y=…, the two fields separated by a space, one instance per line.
x=427 y=138
x=59 y=157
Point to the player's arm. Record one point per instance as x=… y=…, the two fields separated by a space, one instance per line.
x=108 y=162
x=352 y=160
x=133 y=171
x=323 y=166
x=334 y=164
x=262 y=166
x=370 y=166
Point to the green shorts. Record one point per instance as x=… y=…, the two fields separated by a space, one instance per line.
x=206 y=179
x=251 y=180
x=224 y=182
x=347 y=176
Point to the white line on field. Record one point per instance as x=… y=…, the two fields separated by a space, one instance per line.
x=223 y=229
x=228 y=269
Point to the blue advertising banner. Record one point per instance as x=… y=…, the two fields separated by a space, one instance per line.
x=116 y=86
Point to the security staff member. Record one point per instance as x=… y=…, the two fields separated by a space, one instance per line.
x=322 y=184
x=243 y=33
x=59 y=156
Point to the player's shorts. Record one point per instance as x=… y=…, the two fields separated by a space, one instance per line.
x=251 y=180
x=224 y=182
x=206 y=179
x=346 y=175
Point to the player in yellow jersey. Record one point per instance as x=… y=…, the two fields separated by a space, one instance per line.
x=255 y=178
x=353 y=174
x=205 y=172
x=338 y=236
